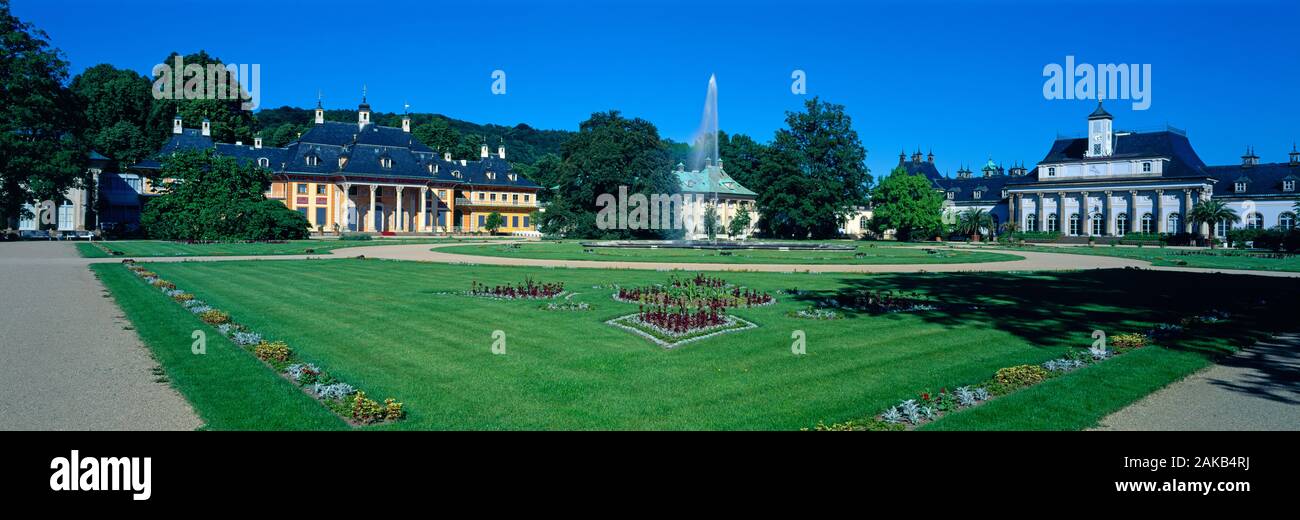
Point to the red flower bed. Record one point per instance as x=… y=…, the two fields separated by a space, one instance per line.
x=681 y=320
x=529 y=290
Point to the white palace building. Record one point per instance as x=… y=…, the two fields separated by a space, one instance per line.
x=1113 y=182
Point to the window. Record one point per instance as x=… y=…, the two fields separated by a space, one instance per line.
x=525 y=198
x=1096 y=148
x=862 y=223
x=1031 y=222
x=482 y=221
x=525 y=221
x=1221 y=229
x=1286 y=220
x=1239 y=186
x=492 y=196
x=65 y=212
x=320 y=189
x=1121 y=224
x=1148 y=223
x=514 y=198
x=386 y=162
x=481 y=195
x=320 y=216
x=263 y=162
x=1097 y=222
x=976 y=194
x=312 y=160
x=951 y=195
x=1051 y=172
x=302 y=188
x=1074 y=224
x=491 y=176
x=1288 y=185
x=514 y=221
x=1146 y=166
x=1052 y=225
x=1171 y=225
x=1255 y=221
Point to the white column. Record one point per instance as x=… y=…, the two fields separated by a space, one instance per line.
x=369 y=222
x=1106 y=216
x=1157 y=211
x=399 y=213
x=1134 y=220
x=424 y=204
x=1085 y=215
x=1187 y=211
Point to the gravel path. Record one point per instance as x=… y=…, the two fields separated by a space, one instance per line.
x=1256 y=389
x=66 y=361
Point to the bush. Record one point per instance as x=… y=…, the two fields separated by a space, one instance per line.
x=356 y=236
x=393 y=410
x=1019 y=376
x=272 y=351
x=365 y=410
x=214 y=317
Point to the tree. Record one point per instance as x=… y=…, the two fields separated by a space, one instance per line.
x=742 y=158
x=608 y=152
x=42 y=146
x=710 y=221
x=908 y=204
x=229 y=121
x=117 y=104
x=216 y=197
x=739 y=223
x=973 y=221
x=438 y=134
x=1211 y=212
x=814 y=175
x=493 y=222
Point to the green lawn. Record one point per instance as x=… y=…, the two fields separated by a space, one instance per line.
x=872 y=253
x=148 y=248
x=1216 y=259
x=392 y=328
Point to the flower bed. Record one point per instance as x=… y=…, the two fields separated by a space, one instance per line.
x=341 y=398
x=566 y=306
x=529 y=289
x=693 y=293
x=669 y=339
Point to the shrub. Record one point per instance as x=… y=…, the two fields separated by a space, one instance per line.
x=356 y=236
x=332 y=391
x=272 y=351
x=1129 y=341
x=393 y=410
x=1020 y=376
x=364 y=409
x=214 y=317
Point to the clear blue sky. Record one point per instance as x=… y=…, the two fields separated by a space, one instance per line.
x=963 y=78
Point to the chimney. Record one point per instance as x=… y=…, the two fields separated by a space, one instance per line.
x=176 y=125
x=257 y=141
x=501 y=151
x=207 y=127
x=483 y=153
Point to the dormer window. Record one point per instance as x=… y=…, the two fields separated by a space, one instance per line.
x=1146 y=166
x=1288 y=185
x=386 y=162
x=513 y=177
x=263 y=162
x=951 y=195
x=976 y=194
x=430 y=167
x=1239 y=187
x=455 y=173
x=491 y=176
x=312 y=160
x=1051 y=171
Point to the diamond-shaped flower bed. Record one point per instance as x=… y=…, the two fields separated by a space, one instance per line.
x=528 y=290
x=686 y=310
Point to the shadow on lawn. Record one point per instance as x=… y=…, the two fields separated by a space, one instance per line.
x=1062 y=309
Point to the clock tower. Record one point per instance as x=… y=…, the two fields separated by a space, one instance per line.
x=1101 y=136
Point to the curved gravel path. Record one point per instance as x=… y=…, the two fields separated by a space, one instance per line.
x=67 y=361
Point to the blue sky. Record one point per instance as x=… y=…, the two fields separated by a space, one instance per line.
x=963 y=78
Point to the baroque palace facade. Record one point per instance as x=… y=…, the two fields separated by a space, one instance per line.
x=370 y=178
x=1113 y=182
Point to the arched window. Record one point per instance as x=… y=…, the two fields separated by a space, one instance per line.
x=1074 y=224
x=1098 y=224
x=1121 y=224
x=1172 y=225
x=1255 y=220
x=1031 y=222
x=1148 y=223
x=1052 y=225
x=263 y=162
x=1286 y=220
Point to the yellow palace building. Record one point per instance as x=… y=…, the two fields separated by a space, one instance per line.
x=379 y=179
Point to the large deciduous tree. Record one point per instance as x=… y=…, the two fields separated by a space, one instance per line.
x=230 y=122
x=608 y=152
x=907 y=204
x=117 y=104
x=814 y=175
x=42 y=148
x=211 y=197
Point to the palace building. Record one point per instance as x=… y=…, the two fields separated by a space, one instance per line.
x=370 y=178
x=712 y=186
x=1112 y=182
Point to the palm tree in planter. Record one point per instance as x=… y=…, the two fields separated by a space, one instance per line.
x=973 y=221
x=1211 y=212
